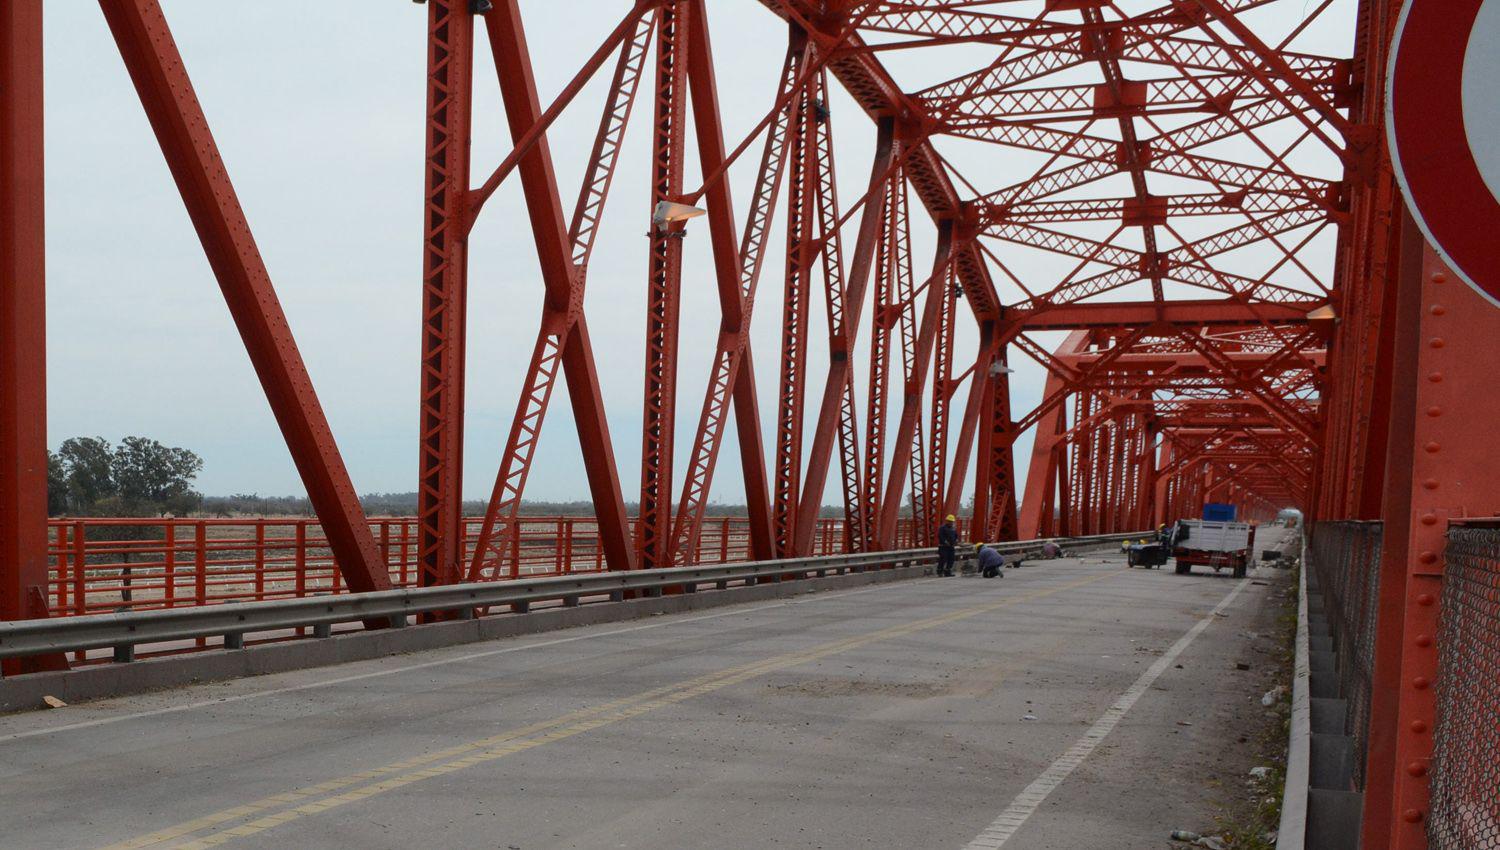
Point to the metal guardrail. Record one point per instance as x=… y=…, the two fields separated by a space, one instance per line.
x=233 y=620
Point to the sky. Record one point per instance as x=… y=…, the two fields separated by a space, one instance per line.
x=317 y=109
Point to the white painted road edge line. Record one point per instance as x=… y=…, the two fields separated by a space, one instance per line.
x=1031 y=797
x=457 y=659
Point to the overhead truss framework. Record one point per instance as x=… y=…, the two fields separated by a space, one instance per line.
x=1172 y=185
x=1145 y=174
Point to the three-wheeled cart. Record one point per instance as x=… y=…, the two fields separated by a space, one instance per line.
x=1148 y=555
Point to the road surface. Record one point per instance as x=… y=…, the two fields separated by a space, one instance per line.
x=1071 y=704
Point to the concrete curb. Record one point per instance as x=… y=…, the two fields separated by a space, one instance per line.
x=1292 y=834
x=173 y=671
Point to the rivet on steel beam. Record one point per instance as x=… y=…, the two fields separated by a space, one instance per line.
x=1419 y=726
x=1439 y=277
x=1428 y=557
x=1429 y=519
x=1416 y=768
x=1434 y=411
x=1437 y=310
x=1435 y=377
x=1420 y=683
x=1424 y=641
x=1412 y=816
x=1431 y=483
x=1432 y=448
x=1437 y=342
x=1424 y=599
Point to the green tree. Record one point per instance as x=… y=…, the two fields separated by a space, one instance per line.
x=140 y=477
x=57 y=485
x=149 y=476
x=87 y=467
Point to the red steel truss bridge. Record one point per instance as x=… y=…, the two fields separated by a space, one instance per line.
x=1183 y=213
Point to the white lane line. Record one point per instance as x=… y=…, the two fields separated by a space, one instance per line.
x=1025 y=803
x=457 y=659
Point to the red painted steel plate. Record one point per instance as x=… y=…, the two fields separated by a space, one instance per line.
x=1443 y=122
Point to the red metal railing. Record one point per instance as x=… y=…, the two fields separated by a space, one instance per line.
x=99 y=565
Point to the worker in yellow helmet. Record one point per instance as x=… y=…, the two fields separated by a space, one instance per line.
x=947 y=540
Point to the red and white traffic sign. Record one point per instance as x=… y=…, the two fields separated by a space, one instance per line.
x=1443 y=121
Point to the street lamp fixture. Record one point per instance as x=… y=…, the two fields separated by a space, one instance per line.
x=668 y=211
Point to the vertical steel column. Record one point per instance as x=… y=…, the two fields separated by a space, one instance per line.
x=737 y=274
x=1444 y=403
x=23 y=328
x=796 y=295
x=989 y=352
x=664 y=289
x=450 y=79
x=937 y=436
x=911 y=408
x=166 y=92
x=835 y=413
x=1039 y=505
x=892 y=267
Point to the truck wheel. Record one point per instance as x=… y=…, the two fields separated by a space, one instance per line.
x=1182 y=569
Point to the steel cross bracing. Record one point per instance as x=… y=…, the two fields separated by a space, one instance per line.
x=1156 y=176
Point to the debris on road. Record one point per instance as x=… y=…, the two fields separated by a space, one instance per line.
x=53 y=702
x=1213 y=842
x=1271 y=696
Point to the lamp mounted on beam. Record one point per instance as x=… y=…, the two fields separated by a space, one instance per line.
x=667 y=212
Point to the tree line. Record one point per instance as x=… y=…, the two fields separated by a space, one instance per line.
x=140 y=477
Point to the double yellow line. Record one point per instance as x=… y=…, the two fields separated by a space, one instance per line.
x=268 y=812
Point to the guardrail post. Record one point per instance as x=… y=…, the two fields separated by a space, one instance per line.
x=322 y=630
x=124 y=653
x=260 y=559
x=168 y=566
x=200 y=562
x=234 y=640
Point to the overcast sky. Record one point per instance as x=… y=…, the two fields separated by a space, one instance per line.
x=318 y=108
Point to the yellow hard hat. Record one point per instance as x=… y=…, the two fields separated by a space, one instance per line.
x=951 y=517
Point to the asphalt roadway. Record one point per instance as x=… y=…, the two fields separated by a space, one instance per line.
x=1071 y=704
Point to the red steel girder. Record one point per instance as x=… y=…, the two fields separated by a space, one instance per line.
x=562 y=279
x=738 y=272
x=23 y=328
x=161 y=80
x=450 y=81
x=562 y=307
x=663 y=287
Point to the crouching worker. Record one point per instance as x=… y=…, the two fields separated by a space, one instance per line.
x=990 y=562
x=947 y=546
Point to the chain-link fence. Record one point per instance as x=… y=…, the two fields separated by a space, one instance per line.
x=1346 y=563
x=1466 y=745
